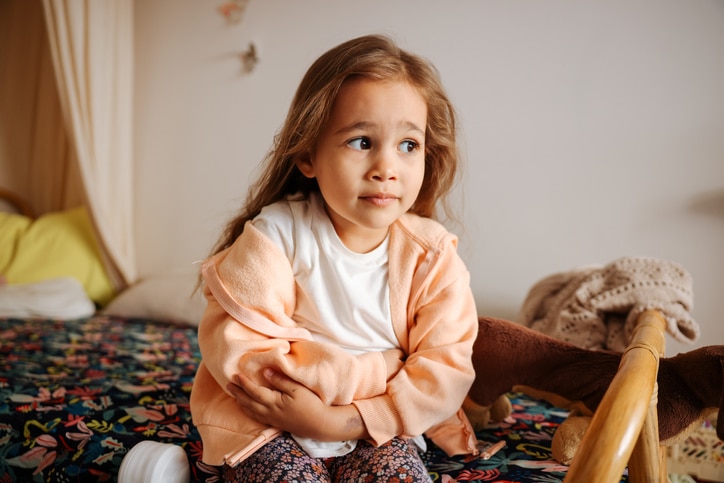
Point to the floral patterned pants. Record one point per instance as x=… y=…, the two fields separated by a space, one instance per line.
x=283 y=460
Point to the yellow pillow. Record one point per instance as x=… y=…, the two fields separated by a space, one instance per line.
x=12 y=227
x=61 y=244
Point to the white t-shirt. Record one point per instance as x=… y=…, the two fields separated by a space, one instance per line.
x=342 y=296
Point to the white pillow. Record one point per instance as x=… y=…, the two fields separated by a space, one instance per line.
x=161 y=297
x=61 y=298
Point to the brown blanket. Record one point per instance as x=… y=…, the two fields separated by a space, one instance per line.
x=507 y=355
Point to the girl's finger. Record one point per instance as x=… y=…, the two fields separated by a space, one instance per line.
x=251 y=389
x=246 y=392
x=235 y=391
x=280 y=381
x=248 y=404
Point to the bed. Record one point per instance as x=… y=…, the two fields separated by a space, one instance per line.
x=78 y=394
x=80 y=388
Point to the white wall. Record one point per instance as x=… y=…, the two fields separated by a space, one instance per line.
x=593 y=129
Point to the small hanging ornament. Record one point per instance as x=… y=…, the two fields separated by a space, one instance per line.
x=233 y=11
x=249 y=58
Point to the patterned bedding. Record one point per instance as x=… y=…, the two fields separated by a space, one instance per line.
x=76 y=396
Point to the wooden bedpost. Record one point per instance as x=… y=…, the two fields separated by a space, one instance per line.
x=625 y=425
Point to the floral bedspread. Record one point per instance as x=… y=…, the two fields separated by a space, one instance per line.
x=76 y=396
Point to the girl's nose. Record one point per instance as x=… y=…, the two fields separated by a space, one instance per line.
x=384 y=167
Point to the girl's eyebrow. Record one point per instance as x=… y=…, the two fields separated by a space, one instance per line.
x=365 y=125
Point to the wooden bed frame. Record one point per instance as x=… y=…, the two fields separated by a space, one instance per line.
x=624 y=429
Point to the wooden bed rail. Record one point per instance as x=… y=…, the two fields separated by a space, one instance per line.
x=624 y=429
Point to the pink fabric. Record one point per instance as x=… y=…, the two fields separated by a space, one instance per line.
x=433 y=314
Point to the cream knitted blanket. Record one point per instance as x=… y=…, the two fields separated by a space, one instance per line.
x=597 y=307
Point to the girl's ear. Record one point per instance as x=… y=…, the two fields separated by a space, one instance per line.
x=304 y=164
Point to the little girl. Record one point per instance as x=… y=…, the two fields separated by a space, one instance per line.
x=340 y=321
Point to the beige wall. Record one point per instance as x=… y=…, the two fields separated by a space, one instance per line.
x=593 y=129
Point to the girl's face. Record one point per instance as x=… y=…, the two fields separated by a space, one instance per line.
x=370 y=160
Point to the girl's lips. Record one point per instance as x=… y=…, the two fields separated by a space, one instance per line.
x=381 y=199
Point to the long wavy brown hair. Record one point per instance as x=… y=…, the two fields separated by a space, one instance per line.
x=374 y=57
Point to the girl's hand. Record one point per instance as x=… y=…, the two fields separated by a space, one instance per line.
x=285 y=405
x=292 y=407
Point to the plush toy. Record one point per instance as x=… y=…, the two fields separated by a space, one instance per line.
x=508 y=356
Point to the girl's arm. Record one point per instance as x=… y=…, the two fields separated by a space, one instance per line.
x=230 y=347
x=247 y=327
x=290 y=406
x=438 y=371
x=429 y=389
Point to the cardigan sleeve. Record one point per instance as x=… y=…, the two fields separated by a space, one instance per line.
x=438 y=372
x=248 y=326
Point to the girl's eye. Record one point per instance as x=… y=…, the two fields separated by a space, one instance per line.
x=359 y=143
x=408 y=146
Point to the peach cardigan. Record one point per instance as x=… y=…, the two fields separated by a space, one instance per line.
x=249 y=324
